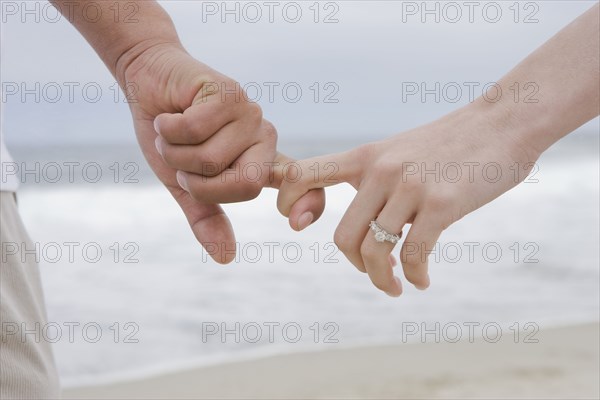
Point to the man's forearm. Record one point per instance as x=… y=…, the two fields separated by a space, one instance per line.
x=119 y=40
x=554 y=90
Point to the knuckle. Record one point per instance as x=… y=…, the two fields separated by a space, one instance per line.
x=385 y=170
x=368 y=252
x=208 y=163
x=232 y=92
x=209 y=159
x=253 y=110
x=411 y=186
x=269 y=132
x=190 y=131
x=438 y=202
x=364 y=151
x=342 y=240
x=251 y=190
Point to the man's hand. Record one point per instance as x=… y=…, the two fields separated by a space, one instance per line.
x=211 y=147
x=167 y=82
x=202 y=131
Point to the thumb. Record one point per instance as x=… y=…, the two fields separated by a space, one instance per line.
x=210 y=226
x=301 y=197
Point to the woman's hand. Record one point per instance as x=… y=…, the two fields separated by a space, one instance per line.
x=432 y=176
x=429 y=177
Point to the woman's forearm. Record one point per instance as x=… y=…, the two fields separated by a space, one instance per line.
x=554 y=90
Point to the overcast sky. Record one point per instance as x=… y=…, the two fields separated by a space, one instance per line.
x=363 y=61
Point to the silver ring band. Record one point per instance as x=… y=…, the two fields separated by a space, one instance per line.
x=381 y=235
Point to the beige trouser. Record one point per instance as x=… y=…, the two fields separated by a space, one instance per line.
x=27 y=368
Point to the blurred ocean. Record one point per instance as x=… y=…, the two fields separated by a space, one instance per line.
x=152 y=273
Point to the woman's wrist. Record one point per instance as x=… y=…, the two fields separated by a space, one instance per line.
x=521 y=130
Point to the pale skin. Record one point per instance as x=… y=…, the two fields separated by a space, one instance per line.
x=181 y=126
x=509 y=133
x=179 y=112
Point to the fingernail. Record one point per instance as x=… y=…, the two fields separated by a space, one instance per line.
x=156 y=126
x=305 y=220
x=182 y=180
x=158 y=144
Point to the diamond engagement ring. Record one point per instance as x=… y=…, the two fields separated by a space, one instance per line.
x=381 y=235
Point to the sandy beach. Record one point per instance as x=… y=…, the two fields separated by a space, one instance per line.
x=563 y=364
